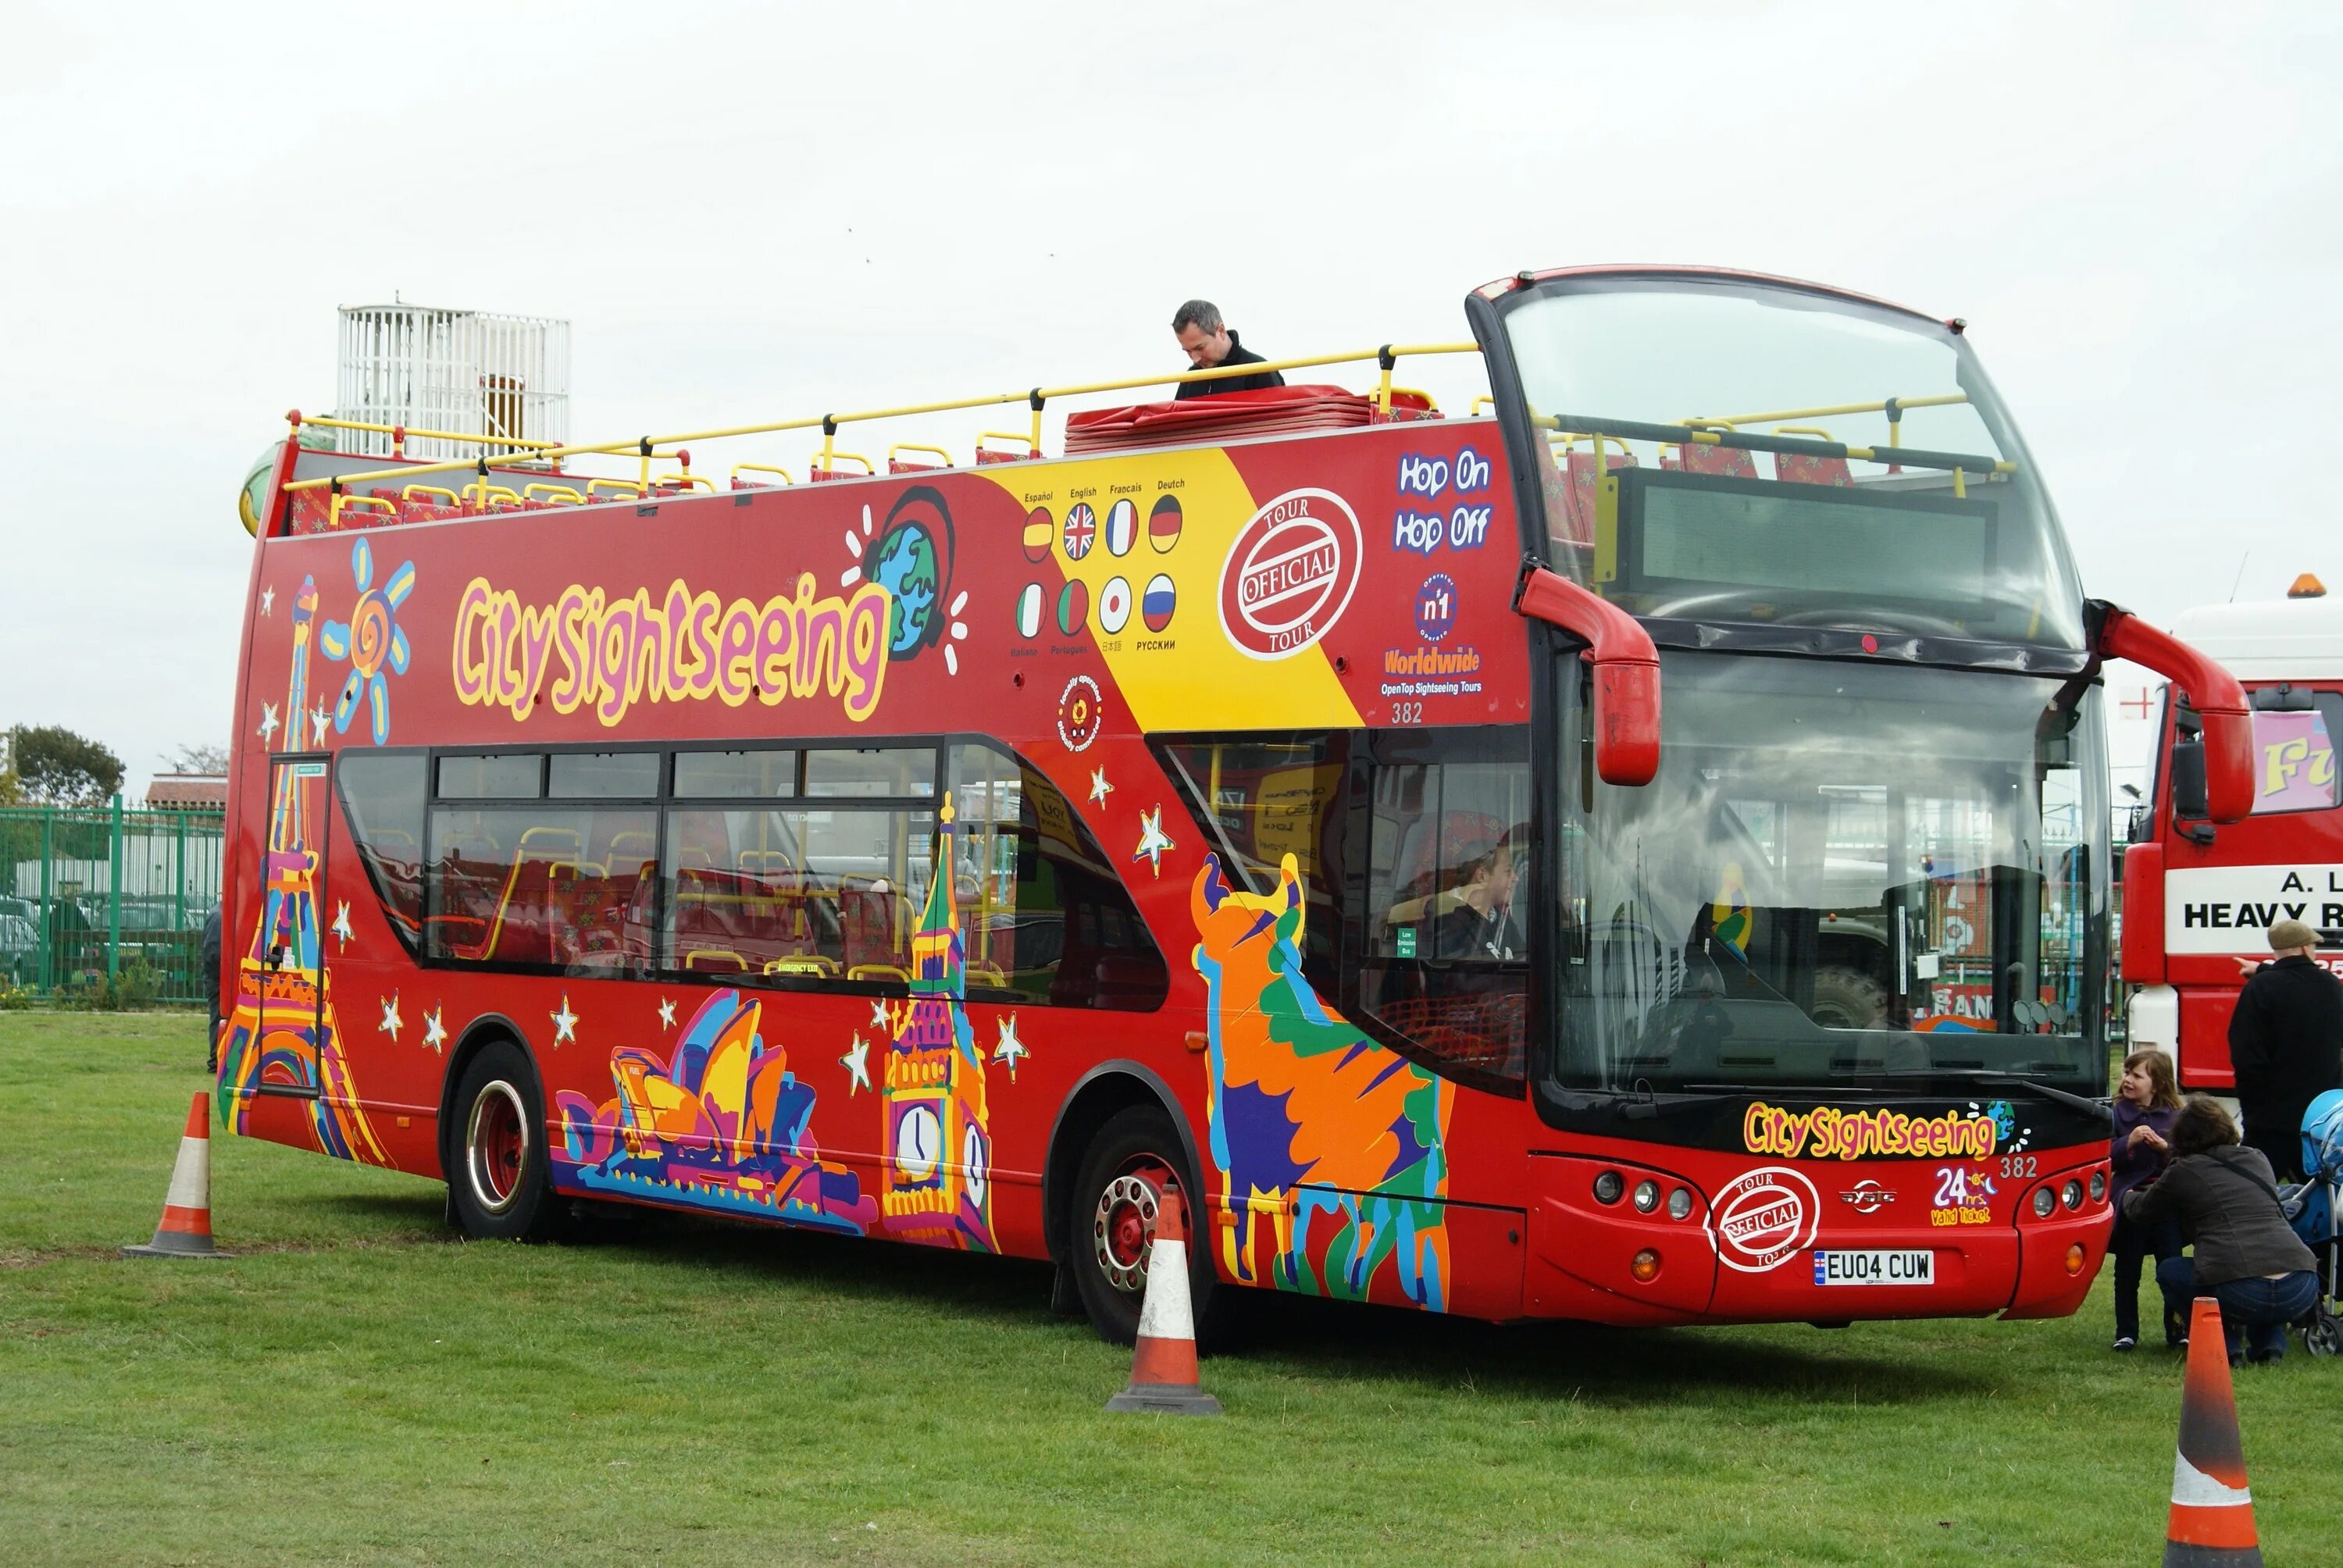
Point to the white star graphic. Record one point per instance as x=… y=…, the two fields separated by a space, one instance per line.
x=434 y=1031
x=564 y=1024
x=856 y=1063
x=1153 y=841
x=268 y=720
x=317 y=717
x=1099 y=788
x=666 y=1013
x=391 y=1022
x=341 y=927
x=1009 y=1050
x=878 y=1015
x=267 y=601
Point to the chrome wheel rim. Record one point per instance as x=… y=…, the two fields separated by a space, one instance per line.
x=496 y=1141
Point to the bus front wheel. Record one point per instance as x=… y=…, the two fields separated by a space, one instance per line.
x=499 y=1180
x=1116 y=1202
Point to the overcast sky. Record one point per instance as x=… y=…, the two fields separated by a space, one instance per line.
x=759 y=211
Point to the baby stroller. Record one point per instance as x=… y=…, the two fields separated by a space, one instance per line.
x=2313 y=1207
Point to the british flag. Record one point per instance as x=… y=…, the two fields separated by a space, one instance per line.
x=1082 y=530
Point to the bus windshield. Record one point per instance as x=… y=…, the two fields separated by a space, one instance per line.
x=1809 y=533
x=1842 y=873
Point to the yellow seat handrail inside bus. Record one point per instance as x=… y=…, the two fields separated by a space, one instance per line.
x=828 y=423
x=1816 y=431
x=688 y=480
x=878 y=972
x=411 y=491
x=830 y=458
x=561 y=493
x=739 y=468
x=634 y=491
x=1032 y=443
x=487 y=495
x=915 y=446
x=803 y=964
x=342 y=499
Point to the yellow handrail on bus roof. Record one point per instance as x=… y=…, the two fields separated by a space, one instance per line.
x=401 y=434
x=737 y=468
x=915 y=446
x=829 y=422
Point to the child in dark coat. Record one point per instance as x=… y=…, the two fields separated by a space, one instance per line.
x=2147 y=1101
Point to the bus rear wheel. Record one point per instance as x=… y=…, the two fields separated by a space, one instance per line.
x=499 y=1179
x=1116 y=1204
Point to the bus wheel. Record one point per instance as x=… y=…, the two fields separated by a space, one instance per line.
x=1113 y=1225
x=499 y=1182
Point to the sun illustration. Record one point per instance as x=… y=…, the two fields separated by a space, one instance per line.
x=912 y=558
x=371 y=640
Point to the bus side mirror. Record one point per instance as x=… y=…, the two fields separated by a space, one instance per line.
x=2188 y=792
x=1626 y=669
x=2224 y=753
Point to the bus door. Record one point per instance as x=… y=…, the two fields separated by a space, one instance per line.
x=291 y=952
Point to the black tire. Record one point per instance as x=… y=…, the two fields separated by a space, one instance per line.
x=498 y=1181
x=1849 y=999
x=1132 y=1153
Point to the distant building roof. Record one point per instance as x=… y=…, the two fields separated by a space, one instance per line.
x=188 y=791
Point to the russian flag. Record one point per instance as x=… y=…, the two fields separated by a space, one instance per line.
x=1160 y=600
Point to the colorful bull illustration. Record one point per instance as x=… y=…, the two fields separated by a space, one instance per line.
x=722 y=1124
x=1335 y=1141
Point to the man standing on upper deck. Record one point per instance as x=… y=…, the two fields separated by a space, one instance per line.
x=1210 y=345
x=2286 y=1042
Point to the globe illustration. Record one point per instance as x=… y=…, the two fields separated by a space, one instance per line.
x=905 y=565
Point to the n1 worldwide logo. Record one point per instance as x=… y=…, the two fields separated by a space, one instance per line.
x=1290 y=575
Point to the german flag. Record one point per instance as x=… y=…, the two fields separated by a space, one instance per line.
x=1163 y=524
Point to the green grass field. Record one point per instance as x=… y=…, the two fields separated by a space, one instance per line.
x=360 y=1385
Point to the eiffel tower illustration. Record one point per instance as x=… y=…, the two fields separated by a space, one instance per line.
x=282 y=1036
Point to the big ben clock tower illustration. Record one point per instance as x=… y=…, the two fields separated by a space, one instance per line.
x=938 y=1177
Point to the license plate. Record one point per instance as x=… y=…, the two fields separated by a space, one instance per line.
x=1876 y=1266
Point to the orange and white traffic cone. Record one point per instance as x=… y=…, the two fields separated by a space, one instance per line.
x=2212 y=1512
x=187 y=1228
x=1164 y=1370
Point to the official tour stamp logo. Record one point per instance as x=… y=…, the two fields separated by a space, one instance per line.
x=1290 y=574
x=1764 y=1218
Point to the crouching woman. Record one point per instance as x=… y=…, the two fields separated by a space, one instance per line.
x=2227 y=1202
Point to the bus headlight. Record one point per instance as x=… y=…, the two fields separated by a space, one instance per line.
x=1608 y=1186
x=1647 y=1195
x=1679 y=1203
x=2045 y=1203
x=2098 y=1186
x=2072 y=1194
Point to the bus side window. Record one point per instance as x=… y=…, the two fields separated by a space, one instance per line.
x=383 y=797
x=1045 y=915
x=1445 y=960
x=1258 y=799
x=526 y=875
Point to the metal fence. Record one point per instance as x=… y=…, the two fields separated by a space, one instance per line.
x=106 y=900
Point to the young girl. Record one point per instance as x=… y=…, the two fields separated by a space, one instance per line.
x=2147 y=1101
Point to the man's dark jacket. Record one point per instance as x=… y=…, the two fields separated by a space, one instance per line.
x=2286 y=1041
x=1238 y=355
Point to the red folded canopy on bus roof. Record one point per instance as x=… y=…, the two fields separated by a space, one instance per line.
x=1224 y=417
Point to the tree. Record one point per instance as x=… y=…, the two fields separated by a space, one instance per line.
x=198 y=757
x=58 y=768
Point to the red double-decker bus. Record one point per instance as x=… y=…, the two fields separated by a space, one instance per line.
x=1639 y=855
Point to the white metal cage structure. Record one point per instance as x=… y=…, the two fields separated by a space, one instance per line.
x=466 y=372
